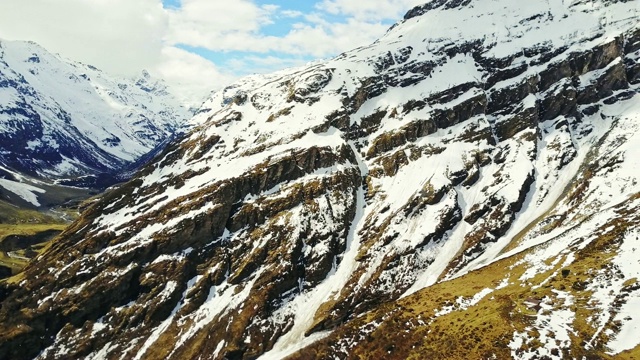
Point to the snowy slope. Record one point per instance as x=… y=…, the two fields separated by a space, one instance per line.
x=60 y=118
x=16 y=184
x=460 y=163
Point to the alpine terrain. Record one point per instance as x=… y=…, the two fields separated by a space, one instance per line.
x=68 y=131
x=70 y=122
x=465 y=187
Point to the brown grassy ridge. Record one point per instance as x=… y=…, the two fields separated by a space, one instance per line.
x=408 y=328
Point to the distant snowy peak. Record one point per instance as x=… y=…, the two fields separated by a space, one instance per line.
x=60 y=118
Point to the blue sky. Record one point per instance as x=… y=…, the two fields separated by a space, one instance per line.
x=280 y=26
x=284 y=18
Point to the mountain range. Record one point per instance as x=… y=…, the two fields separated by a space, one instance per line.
x=465 y=187
x=69 y=123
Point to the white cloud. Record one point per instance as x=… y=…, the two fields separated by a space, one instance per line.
x=216 y=24
x=264 y=64
x=116 y=35
x=191 y=75
x=204 y=24
x=291 y=13
x=324 y=39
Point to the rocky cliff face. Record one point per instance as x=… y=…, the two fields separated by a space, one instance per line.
x=61 y=120
x=465 y=186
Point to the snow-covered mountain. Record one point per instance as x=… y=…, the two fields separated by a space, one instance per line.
x=465 y=187
x=61 y=119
